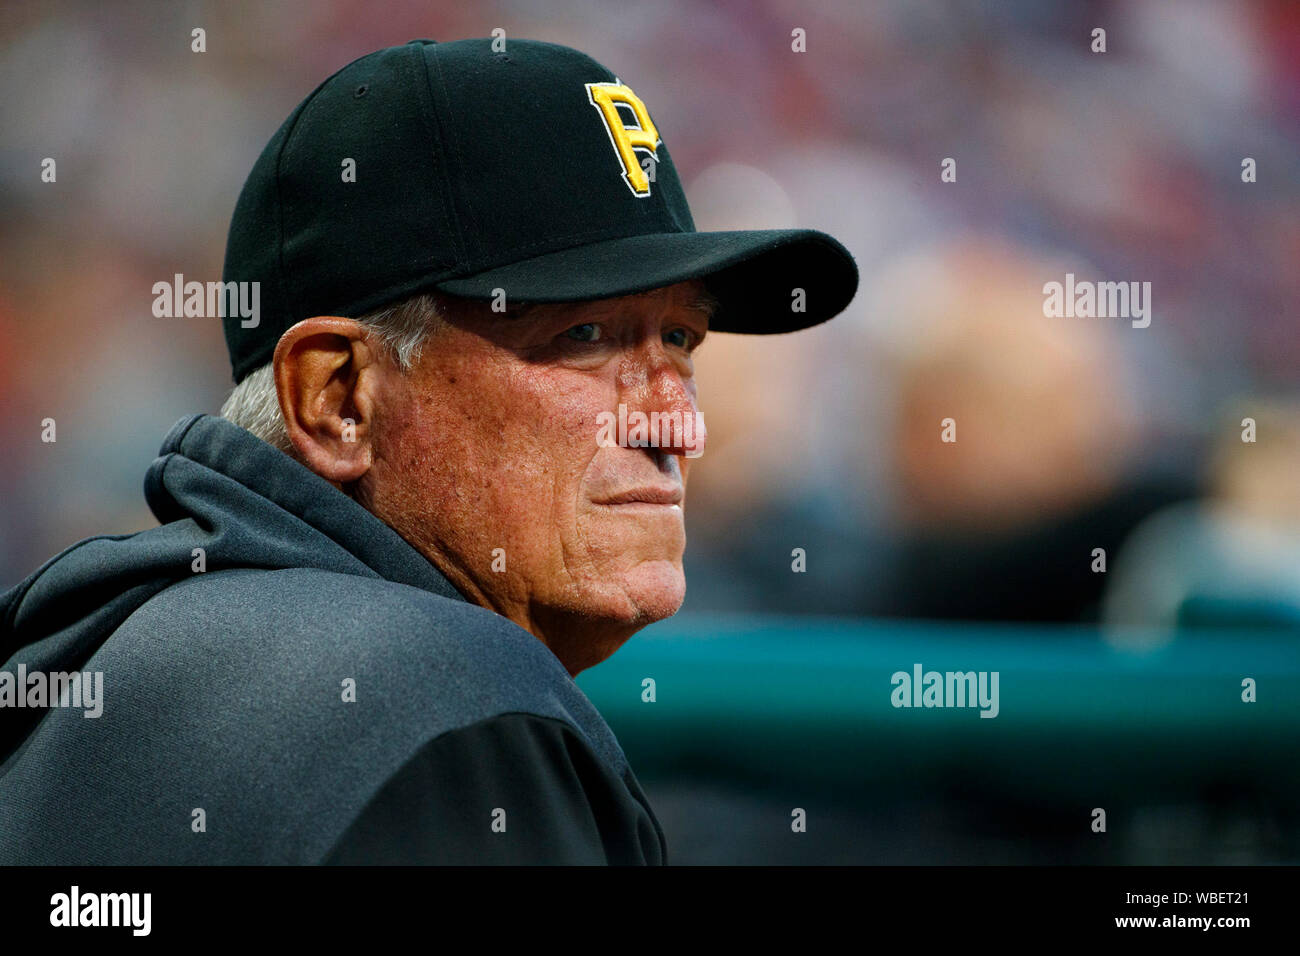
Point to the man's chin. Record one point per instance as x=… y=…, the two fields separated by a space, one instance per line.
x=632 y=598
x=655 y=590
x=595 y=625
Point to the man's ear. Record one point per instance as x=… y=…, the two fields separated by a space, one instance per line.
x=325 y=379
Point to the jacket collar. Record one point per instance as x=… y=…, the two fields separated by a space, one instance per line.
x=220 y=445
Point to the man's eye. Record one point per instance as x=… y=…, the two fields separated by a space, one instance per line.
x=587 y=332
x=680 y=338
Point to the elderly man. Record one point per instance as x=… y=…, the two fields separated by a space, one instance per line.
x=354 y=635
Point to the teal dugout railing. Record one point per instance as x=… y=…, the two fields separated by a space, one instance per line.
x=770 y=701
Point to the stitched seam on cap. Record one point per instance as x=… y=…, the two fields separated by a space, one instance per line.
x=462 y=253
x=439 y=172
x=455 y=144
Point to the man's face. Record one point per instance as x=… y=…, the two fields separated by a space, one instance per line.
x=487 y=459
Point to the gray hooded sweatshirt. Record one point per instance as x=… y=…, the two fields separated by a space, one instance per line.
x=283 y=679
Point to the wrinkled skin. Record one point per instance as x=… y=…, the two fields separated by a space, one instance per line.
x=485 y=454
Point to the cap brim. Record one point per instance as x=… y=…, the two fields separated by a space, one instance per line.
x=754 y=275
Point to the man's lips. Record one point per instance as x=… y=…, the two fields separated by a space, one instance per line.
x=670 y=495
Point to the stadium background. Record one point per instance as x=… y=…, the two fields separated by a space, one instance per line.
x=1119 y=689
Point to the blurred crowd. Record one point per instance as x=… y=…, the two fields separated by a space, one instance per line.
x=1073 y=434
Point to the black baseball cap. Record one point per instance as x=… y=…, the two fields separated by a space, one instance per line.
x=463 y=169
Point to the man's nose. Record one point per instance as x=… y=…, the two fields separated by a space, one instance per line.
x=651 y=383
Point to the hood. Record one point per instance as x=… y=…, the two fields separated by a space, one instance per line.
x=216 y=487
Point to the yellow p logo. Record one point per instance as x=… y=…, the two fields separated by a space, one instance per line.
x=626 y=139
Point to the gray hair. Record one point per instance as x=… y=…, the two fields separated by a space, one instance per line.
x=401 y=329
